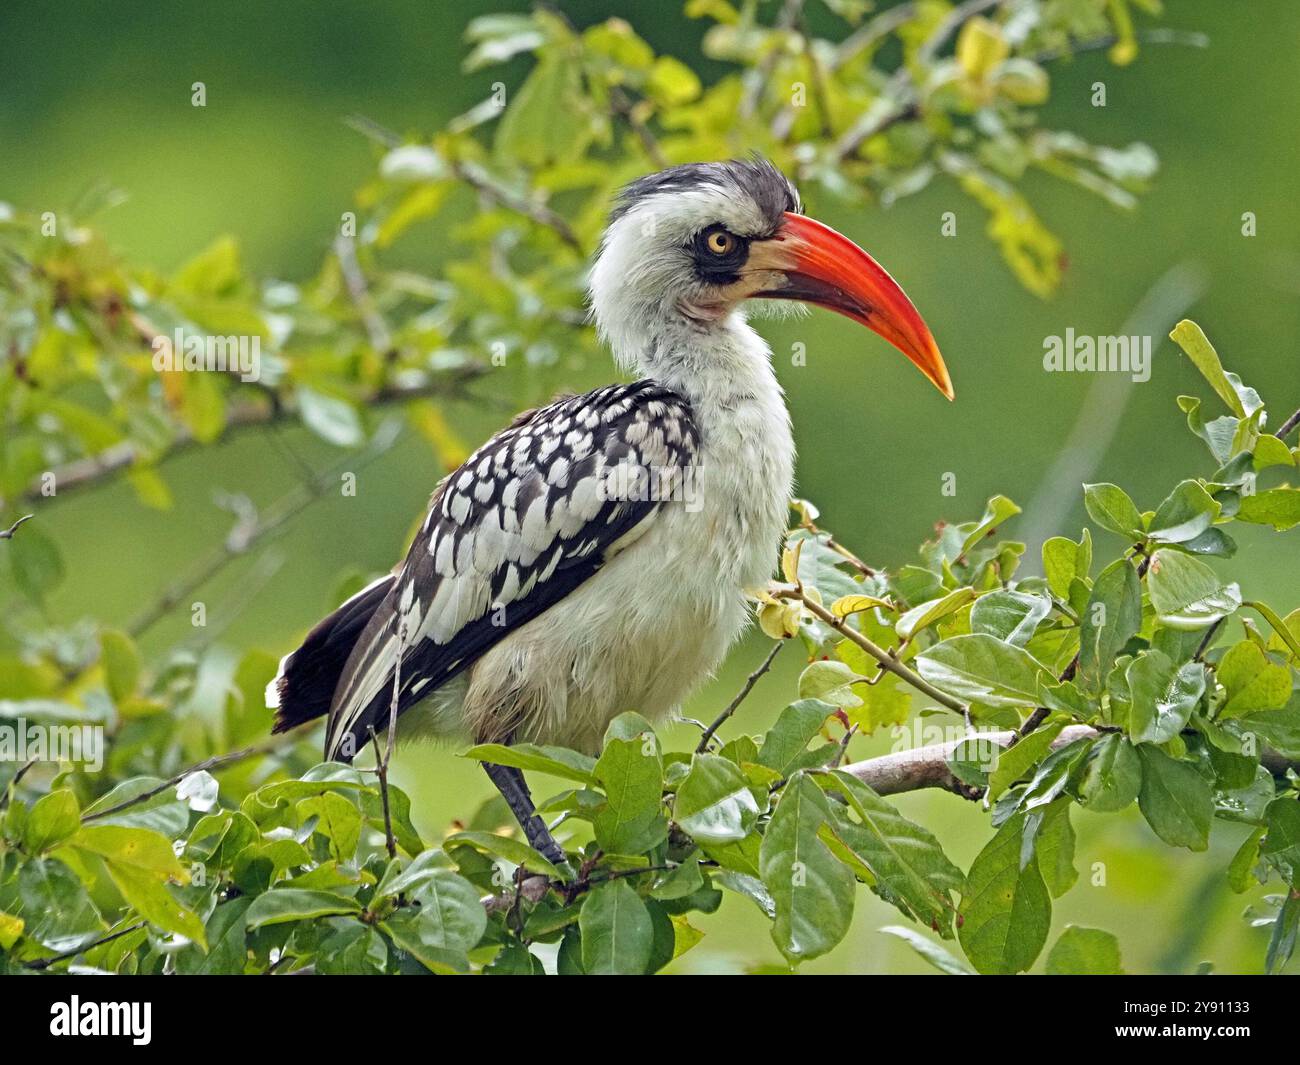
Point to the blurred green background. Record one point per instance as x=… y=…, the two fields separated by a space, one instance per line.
x=96 y=96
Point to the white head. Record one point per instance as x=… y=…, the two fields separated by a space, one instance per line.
x=686 y=246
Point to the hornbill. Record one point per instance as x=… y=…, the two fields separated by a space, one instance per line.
x=593 y=557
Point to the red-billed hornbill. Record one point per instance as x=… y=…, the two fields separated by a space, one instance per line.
x=593 y=557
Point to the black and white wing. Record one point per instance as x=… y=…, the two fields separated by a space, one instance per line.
x=531 y=515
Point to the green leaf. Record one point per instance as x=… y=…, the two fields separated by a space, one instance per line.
x=333 y=419
x=1252 y=681
x=1111 y=618
x=547 y=119
x=1015 y=762
x=786 y=741
x=630 y=772
x=1281 y=846
x=297 y=904
x=930 y=951
x=339 y=822
x=451 y=914
x=1111 y=508
x=133 y=848
x=557 y=761
x=121 y=661
x=512 y=850
x=714 y=804
x=35 y=561
x=153 y=901
x=448 y=921
x=926 y=614
x=1278 y=507
x=830 y=681
x=813 y=890
x=1064 y=560
x=617 y=932
x=1113 y=775
x=351 y=949
x=1006 y=909
x=1286 y=631
x=981 y=669
x=1175 y=800
x=1084 y=952
x=1197 y=347
x=1188 y=512
x=52 y=819
x=1186 y=593
x=1009 y=616
x=57 y=909
x=1241 y=868
x=998 y=510
x=227 y=943
x=1162 y=696
x=1054 y=845
x=1286 y=930
x=908 y=866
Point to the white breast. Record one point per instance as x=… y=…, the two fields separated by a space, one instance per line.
x=655 y=622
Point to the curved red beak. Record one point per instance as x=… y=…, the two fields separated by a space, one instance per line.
x=823 y=267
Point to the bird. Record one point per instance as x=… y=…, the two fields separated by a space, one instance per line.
x=594 y=556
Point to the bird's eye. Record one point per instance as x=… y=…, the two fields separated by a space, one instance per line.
x=720 y=242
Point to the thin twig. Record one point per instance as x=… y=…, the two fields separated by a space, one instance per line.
x=1285 y=428
x=8 y=534
x=484 y=183
x=15 y=780
x=843 y=750
x=273 y=520
x=381 y=338
x=1206 y=640
x=95 y=468
x=44 y=963
x=741 y=695
x=898 y=100
x=626 y=109
x=217 y=761
x=382 y=759
x=882 y=656
x=756 y=79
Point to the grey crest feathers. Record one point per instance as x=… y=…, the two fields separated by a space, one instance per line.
x=756 y=178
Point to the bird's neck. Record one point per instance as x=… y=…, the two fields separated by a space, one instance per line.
x=745 y=464
x=717 y=366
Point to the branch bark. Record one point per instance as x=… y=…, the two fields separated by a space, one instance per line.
x=886 y=660
x=88 y=471
x=927 y=767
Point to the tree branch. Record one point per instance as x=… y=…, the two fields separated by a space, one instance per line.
x=82 y=472
x=8 y=534
x=927 y=767
x=886 y=660
x=484 y=183
x=731 y=707
x=242 y=540
x=218 y=761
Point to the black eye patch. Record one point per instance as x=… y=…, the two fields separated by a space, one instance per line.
x=718 y=254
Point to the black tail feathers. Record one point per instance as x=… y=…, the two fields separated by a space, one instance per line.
x=304 y=687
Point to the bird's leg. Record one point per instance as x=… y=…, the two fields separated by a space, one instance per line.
x=510 y=782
